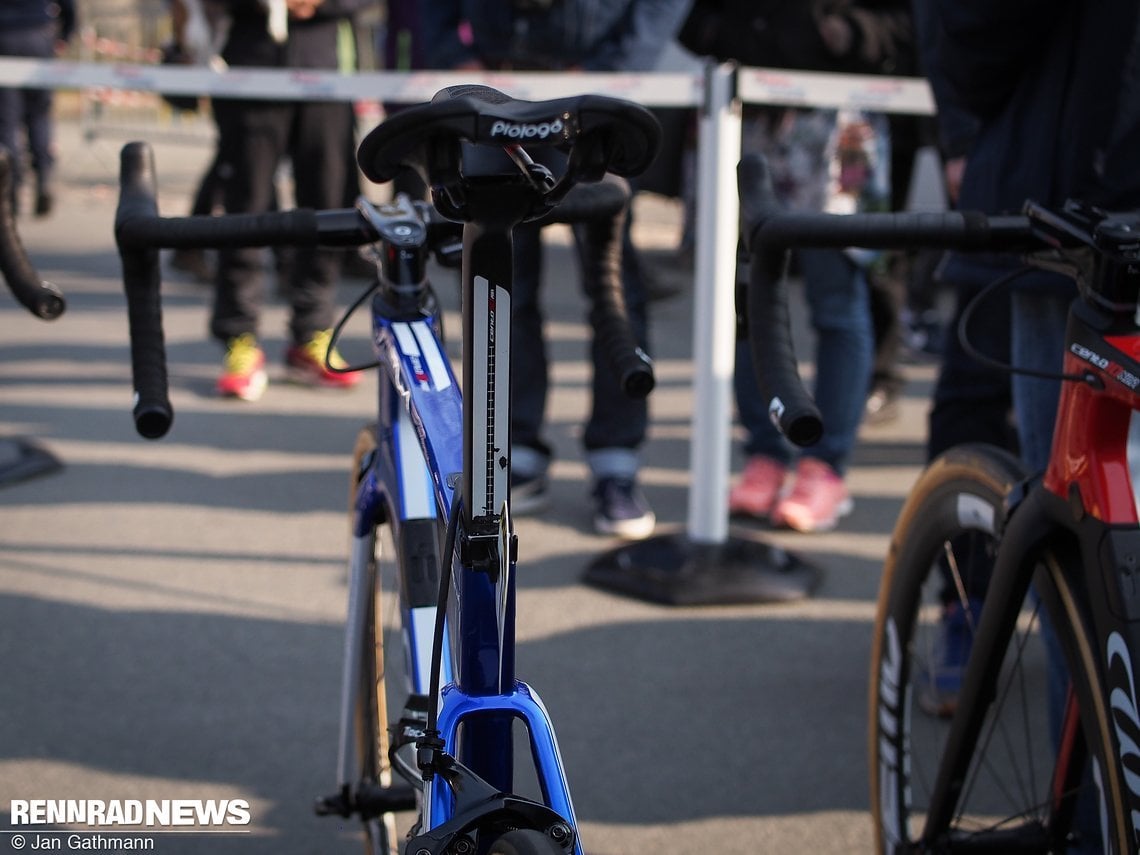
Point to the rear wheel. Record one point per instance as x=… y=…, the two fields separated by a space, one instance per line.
x=1039 y=779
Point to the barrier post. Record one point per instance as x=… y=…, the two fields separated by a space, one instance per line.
x=718 y=226
x=707 y=565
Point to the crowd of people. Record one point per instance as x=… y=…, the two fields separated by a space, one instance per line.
x=822 y=160
x=33 y=29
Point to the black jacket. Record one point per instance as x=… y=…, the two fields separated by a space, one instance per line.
x=27 y=14
x=311 y=43
x=1056 y=88
x=596 y=35
x=787 y=34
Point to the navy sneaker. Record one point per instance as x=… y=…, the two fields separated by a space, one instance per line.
x=528 y=493
x=940 y=680
x=621 y=509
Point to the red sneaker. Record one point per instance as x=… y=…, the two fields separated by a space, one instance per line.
x=243 y=369
x=760 y=485
x=817 y=500
x=307 y=363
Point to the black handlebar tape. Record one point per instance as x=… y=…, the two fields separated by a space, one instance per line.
x=769 y=234
x=153 y=413
x=599 y=212
x=297 y=227
x=40 y=298
x=790 y=406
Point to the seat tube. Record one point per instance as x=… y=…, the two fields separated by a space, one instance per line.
x=484 y=610
x=487 y=274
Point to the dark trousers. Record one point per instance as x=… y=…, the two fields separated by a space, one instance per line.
x=28 y=109
x=615 y=420
x=253 y=138
x=973 y=402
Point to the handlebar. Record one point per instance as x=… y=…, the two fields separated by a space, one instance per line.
x=769 y=233
x=41 y=298
x=140 y=232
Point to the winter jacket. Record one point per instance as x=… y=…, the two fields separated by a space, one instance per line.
x=30 y=14
x=787 y=34
x=594 y=35
x=1056 y=87
x=312 y=43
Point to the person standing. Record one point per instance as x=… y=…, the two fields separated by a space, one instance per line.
x=39 y=29
x=585 y=35
x=253 y=138
x=838 y=161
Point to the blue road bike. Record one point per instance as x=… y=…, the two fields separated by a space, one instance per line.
x=435 y=468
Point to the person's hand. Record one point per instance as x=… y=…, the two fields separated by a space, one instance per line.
x=835 y=30
x=302 y=9
x=952 y=171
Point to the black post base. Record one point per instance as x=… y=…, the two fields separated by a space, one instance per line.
x=672 y=570
x=21 y=459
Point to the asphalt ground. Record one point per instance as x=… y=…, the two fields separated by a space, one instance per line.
x=171 y=612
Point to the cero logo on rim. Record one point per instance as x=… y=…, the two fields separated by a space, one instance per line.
x=527 y=130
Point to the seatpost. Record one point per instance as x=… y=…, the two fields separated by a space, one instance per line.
x=487 y=272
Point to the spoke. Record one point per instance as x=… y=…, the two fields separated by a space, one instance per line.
x=997 y=729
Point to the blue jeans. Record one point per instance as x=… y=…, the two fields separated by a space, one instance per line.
x=1037 y=341
x=836 y=292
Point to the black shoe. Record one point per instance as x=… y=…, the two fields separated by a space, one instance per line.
x=528 y=493
x=881 y=407
x=44 y=203
x=622 y=509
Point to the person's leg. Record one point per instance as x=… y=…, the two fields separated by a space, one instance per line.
x=618 y=423
x=972 y=402
x=319 y=144
x=767 y=453
x=530 y=455
x=1037 y=342
x=836 y=292
x=11 y=112
x=886 y=292
x=250 y=144
x=322 y=132
x=38 y=121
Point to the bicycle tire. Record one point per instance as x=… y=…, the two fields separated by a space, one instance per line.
x=525 y=841
x=955 y=513
x=372 y=733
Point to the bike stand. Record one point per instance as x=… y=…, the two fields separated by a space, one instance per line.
x=21 y=459
x=672 y=570
x=707 y=565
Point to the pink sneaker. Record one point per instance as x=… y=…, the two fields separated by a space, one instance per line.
x=759 y=487
x=817 y=500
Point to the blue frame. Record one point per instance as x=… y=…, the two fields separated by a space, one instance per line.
x=420 y=447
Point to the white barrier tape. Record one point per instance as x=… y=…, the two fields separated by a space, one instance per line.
x=660 y=89
x=654 y=89
x=817 y=89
